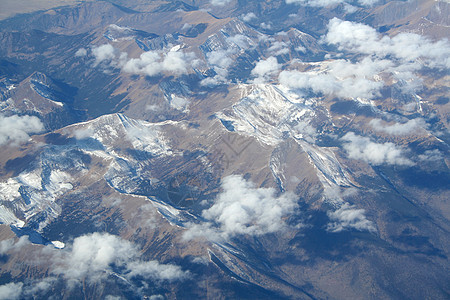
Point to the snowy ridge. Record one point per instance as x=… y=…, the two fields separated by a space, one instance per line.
x=32 y=194
x=329 y=168
x=110 y=130
x=268 y=114
x=30 y=199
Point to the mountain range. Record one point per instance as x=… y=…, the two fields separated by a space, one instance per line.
x=225 y=149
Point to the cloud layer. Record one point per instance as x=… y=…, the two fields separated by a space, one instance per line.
x=362 y=148
x=15 y=130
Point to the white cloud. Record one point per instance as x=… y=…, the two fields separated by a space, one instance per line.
x=240 y=40
x=11 y=291
x=397 y=58
x=219 y=58
x=278 y=48
x=349 y=217
x=81 y=52
x=220 y=2
x=152 y=63
x=11 y=245
x=325 y=3
x=306 y=130
x=36 y=288
x=361 y=38
x=220 y=61
x=83 y=133
x=149 y=63
x=104 y=52
x=362 y=148
x=15 y=130
x=264 y=69
x=411 y=126
x=242 y=208
x=431 y=155
x=179 y=103
x=266 y=25
x=91 y=257
x=155 y=270
x=248 y=17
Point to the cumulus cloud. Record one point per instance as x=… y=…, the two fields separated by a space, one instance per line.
x=361 y=38
x=397 y=58
x=407 y=52
x=278 y=48
x=152 y=63
x=431 y=155
x=325 y=3
x=11 y=291
x=38 y=287
x=155 y=270
x=104 y=52
x=90 y=259
x=411 y=126
x=242 y=208
x=149 y=63
x=248 y=17
x=264 y=69
x=81 y=52
x=219 y=61
x=92 y=256
x=341 y=78
x=15 y=130
x=219 y=58
x=179 y=103
x=349 y=217
x=220 y=2
x=362 y=148
x=306 y=131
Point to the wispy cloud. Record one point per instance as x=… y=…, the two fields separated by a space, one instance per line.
x=409 y=127
x=349 y=217
x=219 y=2
x=341 y=78
x=11 y=291
x=382 y=60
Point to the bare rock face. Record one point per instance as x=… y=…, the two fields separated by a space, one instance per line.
x=225 y=149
